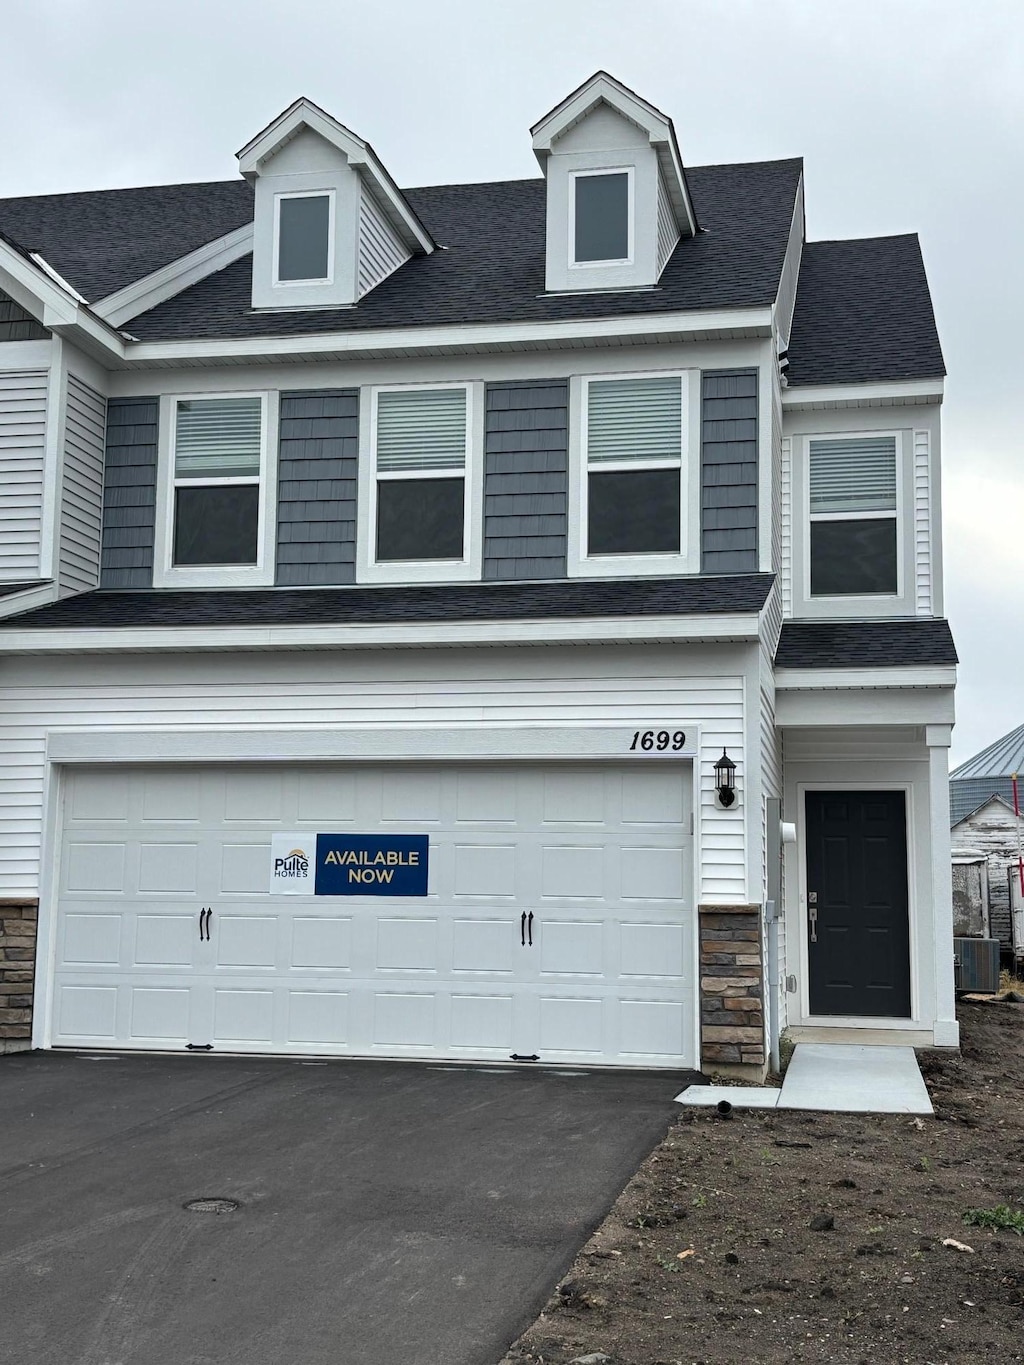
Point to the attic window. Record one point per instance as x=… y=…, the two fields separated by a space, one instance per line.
x=601 y=217
x=303 y=238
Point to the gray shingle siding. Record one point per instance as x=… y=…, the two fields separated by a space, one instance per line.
x=526 y=479
x=16 y=324
x=316 y=488
x=129 y=493
x=729 y=471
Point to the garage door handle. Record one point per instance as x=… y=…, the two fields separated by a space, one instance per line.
x=522 y=929
x=529 y=928
x=205 y=915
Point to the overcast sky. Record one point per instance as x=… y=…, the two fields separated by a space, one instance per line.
x=909 y=115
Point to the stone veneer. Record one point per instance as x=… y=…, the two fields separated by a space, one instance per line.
x=17 y=970
x=731 y=988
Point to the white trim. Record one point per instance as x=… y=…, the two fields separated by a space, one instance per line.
x=804 y=679
x=718 y=324
x=261 y=574
x=891 y=393
x=56 y=305
x=579 y=563
x=592 y=630
x=178 y=275
x=630 y=173
x=45 y=265
x=39 y=595
x=469 y=567
x=914 y=1018
x=331 y=196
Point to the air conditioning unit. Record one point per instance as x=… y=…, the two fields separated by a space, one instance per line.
x=976 y=965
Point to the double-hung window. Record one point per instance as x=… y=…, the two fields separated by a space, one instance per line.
x=854 y=515
x=420 y=521
x=632 y=473
x=214 y=522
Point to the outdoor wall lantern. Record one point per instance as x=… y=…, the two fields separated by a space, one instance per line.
x=725 y=780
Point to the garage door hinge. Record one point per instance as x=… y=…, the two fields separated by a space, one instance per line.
x=517 y=1057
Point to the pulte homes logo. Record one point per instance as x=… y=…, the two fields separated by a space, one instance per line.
x=293 y=864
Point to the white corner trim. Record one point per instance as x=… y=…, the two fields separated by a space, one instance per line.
x=174 y=277
x=432 y=634
x=889 y=394
x=712 y=325
x=814 y=679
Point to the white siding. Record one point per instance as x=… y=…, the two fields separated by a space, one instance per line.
x=922 y=522
x=636 y=688
x=771 y=786
x=82 y=487
x=785 y=497
x=22 y=454
x=380 y=251
x=668 y=229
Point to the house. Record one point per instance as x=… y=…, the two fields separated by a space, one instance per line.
x=981 y=813
x=429 y=613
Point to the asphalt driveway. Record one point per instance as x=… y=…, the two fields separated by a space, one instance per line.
x=388 y=1213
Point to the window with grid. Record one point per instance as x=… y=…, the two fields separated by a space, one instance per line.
x=420 y=444
x=853 y=514
x=634 y=466
x=218 y=465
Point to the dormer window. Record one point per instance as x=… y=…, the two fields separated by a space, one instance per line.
x=304 y=239
x=601 y=217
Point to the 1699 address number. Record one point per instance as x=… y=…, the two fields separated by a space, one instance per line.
x=659 y=740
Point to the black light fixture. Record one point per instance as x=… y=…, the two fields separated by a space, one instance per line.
x=725 y=779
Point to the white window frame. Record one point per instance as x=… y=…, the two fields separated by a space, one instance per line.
x=580 y=563
x=167 y=574
x=466 y=569
x=898 y=515
x=328 y=279
x=629 y=172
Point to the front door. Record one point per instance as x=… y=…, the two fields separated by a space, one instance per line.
x=857 y=908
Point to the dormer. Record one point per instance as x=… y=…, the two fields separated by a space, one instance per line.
x=617 y=199
x=330 y=223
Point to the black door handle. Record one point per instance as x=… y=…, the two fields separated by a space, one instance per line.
x=529 y=928
x=522 y=929
x=205 y=915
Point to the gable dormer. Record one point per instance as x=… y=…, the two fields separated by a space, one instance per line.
x=617 y=199
x=330 y=223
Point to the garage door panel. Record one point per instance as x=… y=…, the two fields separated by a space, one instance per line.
x=91 y=939
x=599 y=855
x=168 y=869
x=322 y=941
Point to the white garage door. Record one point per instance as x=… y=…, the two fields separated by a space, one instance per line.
x=600 y=857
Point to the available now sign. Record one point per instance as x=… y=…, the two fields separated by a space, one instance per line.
x=349 y=864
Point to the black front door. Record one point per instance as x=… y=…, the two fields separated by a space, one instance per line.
x=858 y=926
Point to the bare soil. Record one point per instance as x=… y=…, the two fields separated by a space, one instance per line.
x=778 y=1236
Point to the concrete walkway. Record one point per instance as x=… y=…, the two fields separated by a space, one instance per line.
x=835 y=1078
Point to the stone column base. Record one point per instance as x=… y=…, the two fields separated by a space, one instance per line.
x=732 y=991
x=17 y=973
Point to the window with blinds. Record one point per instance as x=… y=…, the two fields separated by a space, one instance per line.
x=420 y=443
x=854 y=532
x=634 y=454
x=218 y=458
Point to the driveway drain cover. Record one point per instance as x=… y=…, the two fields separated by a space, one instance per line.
x=211 y=1205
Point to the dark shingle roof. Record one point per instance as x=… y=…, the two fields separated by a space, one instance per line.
x=574 y=598
x=104 y=239
x=863 y=313
x=492 y=269
x=865 y=644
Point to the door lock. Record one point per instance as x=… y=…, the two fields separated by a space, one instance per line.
x=812 y=915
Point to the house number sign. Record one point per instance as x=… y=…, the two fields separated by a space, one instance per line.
x=659 y=741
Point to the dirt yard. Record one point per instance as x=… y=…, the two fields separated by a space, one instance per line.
x=782 y=1237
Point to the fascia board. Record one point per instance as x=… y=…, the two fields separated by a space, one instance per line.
x=427 y=635
x=174 y=277
x=697 y=326
x=886 y=394
x=818 y=679
x=37 y=291
x=38 y=595
x=576 y=106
